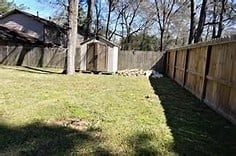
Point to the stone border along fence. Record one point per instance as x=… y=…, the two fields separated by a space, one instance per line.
x=207 y=70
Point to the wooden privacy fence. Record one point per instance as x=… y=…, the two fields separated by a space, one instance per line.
x=209 y=72
x=55 y=58
x=35 y=56
x=140 y=60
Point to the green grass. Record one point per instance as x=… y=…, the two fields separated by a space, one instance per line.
x=126 y=115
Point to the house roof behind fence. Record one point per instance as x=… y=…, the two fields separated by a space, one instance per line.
x=37 y=18
x=12 y=35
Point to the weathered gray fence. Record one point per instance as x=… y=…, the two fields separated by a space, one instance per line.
x=35 y=56
x=140 y=60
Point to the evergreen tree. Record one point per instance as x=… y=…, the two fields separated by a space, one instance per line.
x=6 y=6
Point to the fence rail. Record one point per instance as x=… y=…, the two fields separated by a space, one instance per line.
x=209 y=72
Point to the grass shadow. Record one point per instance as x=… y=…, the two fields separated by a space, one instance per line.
x=140 y=144
x=197 y=130
x=41 y=70
x=44 y=139
x=31 y=70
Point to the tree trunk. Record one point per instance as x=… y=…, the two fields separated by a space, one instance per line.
x=207 y=33
x=214 y=20
x=98 y=11
x=143 y=39
x=127 y=42
x=108 y=18
x=220 y=25
x=191 y=31
x=161 y=39
x=89 y=18
x=72 y=36
x=201 y=22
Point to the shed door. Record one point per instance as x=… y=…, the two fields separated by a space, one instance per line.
x=101 y=50
x=91 y=58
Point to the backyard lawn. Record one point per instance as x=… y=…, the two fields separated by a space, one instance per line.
x=43 y=112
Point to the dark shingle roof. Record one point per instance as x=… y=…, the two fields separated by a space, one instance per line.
x=12 y=35
x=39 y=19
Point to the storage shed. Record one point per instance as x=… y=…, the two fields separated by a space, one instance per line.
x=98 y=55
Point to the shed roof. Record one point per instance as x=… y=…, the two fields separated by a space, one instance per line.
x=101 y=39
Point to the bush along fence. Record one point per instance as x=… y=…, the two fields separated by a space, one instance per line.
x=207 y=70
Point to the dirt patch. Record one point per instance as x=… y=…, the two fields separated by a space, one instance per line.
x=75 y=123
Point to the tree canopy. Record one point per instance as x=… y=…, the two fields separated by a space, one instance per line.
x=6 y=6
x=139 y=24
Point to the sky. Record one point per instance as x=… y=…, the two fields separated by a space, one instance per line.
x=45 y=10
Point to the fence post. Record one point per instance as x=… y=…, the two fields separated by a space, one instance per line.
x=185 y=67
x=166 y=62
x=174 y=68
x=205 y=73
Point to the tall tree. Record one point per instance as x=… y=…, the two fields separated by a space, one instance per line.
x=214 y=18
x=135 y=17
x=192 y=22
x=105 y=12
x=201 y=22
x=6 y=6
x=89 y=19
x=72 y=36
x=165 y=10
x=111 y=8
x=114 y=13
x=98 y=14
x=221 y=16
